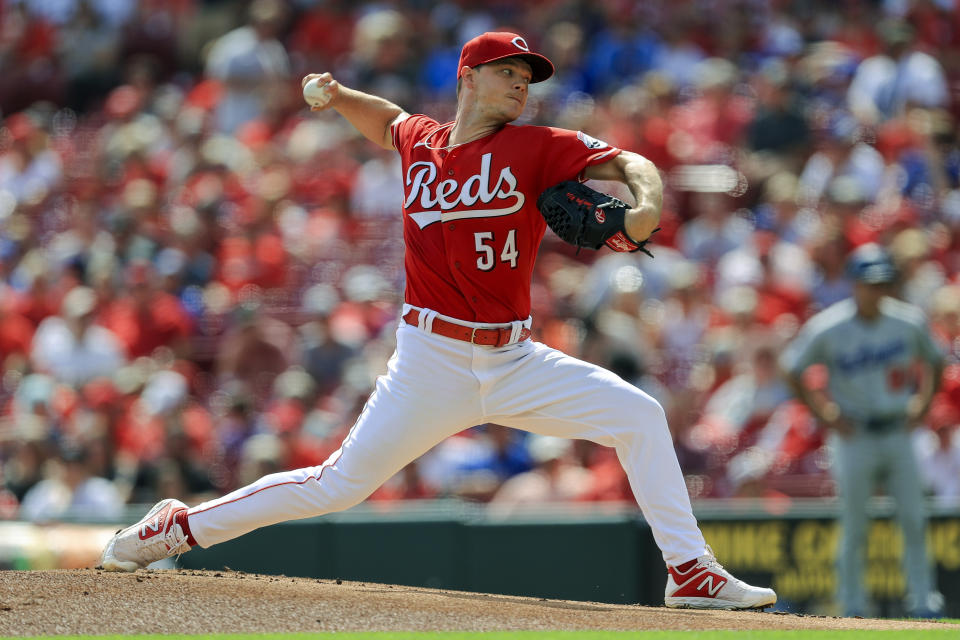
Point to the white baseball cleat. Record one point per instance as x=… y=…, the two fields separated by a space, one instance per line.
x=707 y=585
x=155 y=537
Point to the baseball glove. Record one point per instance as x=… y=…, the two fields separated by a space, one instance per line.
x=585 y=217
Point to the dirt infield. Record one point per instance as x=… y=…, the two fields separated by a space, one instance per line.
x=89 y=601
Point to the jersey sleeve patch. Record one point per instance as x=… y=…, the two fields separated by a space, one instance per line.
x=590 y=142
x=569 y=153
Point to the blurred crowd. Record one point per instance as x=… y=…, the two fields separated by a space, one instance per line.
x=201 y=278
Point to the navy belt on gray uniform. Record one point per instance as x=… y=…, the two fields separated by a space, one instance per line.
x=882 y=424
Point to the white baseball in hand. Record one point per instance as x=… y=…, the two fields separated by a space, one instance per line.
x=316 y=94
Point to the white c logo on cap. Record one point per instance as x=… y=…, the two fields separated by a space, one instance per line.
x=520 y=43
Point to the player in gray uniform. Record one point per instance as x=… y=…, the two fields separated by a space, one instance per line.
x=871 y=345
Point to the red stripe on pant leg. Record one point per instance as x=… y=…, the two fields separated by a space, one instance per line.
x=272 y=486
x=323 y=467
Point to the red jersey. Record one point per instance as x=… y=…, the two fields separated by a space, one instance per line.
x=470 y=218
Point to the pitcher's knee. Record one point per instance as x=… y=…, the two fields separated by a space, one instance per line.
x=341 y=493
x=647 y=416
x=644 y=425
x=345 y=498
x=633 y=406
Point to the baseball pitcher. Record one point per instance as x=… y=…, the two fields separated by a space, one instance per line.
x=474 y=189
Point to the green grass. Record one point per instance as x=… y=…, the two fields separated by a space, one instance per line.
x=935 y=634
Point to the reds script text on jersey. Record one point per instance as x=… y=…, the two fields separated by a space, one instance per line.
x=470 y=220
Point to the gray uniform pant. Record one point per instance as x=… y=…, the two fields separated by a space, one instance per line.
x=859 y=462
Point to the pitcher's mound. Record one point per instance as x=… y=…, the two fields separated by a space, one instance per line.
x=90 y=601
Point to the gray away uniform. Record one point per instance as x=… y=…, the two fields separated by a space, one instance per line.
x=871 y=364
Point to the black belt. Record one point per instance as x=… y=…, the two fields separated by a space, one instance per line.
x=883 y=424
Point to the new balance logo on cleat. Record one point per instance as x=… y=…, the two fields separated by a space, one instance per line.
x=697 y=581
x=712 y=590
x=151 y=528
x=707 y=585
x=155 y=537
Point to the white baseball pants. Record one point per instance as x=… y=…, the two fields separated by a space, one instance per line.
x=436 y=387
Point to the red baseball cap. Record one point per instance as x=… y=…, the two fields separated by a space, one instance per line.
x=497 y=45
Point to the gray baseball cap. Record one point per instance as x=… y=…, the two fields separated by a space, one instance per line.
x=871 y=264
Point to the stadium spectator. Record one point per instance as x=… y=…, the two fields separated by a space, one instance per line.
x=901 y=75
x=324 y=354
x=16 y=334
x=24 y=463
x=252 y=66
x=556 y=477
x=71 y=346
x=147 y=317
x=70 y=490
x=940 y=452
